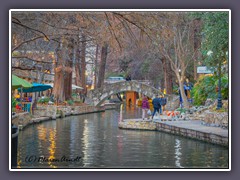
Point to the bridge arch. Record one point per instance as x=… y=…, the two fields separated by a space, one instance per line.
x=98 y=96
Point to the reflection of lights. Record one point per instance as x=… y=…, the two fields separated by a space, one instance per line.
x=42 y=135
x=85 y=141
x=178 y=153
x=52 y=147
x=121 y=110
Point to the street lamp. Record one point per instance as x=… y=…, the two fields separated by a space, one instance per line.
x=219 y=99
x=219 y=104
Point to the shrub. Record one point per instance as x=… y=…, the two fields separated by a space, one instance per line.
x=70 y=102
x=206 y=88
x=14 y=103
x=175 y=89
x=181 y=110
x=44 y=100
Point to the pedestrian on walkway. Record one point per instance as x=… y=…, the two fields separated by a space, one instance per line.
x=128 y=78
x=145 y=106
x=156 y=105
x=161 y=102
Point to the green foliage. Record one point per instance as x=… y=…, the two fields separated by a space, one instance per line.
x=70 y=102
x=44 y=100
x=206 y=88
x=175 y=89
x=181 y=110
x=215 y=33
x=74 y=95
x=14 y=103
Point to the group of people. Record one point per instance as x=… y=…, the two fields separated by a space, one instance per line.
x=23 y=99
x=157 y=102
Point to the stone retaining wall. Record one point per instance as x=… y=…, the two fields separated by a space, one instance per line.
x=207 y=137
x=158 y=126
x=148 y=125
x=43 y=113
x=46 y=111
x=22 y=119
x=216 y=119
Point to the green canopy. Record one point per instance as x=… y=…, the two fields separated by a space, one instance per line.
x=18 y=82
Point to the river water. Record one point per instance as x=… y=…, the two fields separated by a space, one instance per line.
x=95 y=141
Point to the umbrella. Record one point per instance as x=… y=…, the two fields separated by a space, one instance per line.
x=73 y=86
x=36 y=87
x=18 y=82
x=76 y=87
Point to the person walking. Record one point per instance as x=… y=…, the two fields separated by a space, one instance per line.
x=160 y=104
x=145 y=106
x=156 y=105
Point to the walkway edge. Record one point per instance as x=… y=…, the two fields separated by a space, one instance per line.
x=181 y=131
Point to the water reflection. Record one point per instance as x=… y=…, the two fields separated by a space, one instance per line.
x=100 y=143
x=178 y=153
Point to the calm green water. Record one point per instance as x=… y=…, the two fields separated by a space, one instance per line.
x=94 y=141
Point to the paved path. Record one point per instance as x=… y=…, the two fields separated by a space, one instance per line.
x=188 y=124
x=197 y=126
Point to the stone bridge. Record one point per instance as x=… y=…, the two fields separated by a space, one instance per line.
x=98 y=96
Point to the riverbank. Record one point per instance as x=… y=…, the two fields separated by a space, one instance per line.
x=192 y=129
x=51 y=112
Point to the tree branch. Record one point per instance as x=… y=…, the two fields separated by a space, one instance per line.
x=24 y=42
x=112 y=30
x=27 y=27
x=21 y=57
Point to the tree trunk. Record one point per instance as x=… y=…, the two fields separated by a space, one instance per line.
x=83 y=64
x=68 y=70
x=78 y=64
x=96 y=65
x=197 y=45
x=68 y=83
x=63 y=73
x=167 y=76
x=58 y=88
x=102 y=65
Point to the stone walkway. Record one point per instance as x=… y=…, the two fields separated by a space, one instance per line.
x=197 y=126
x=187 y=124
x=188 y=128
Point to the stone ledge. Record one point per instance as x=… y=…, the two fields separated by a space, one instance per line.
x=138 y=124
x=45 y=113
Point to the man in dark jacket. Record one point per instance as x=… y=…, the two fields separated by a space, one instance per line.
x=156 y=105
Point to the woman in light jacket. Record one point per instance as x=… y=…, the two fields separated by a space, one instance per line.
x=145 y=106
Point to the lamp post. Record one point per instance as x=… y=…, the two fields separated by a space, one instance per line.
x=219 y=99
x=219 y=103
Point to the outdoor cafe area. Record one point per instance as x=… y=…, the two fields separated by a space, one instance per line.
x=26 y=96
